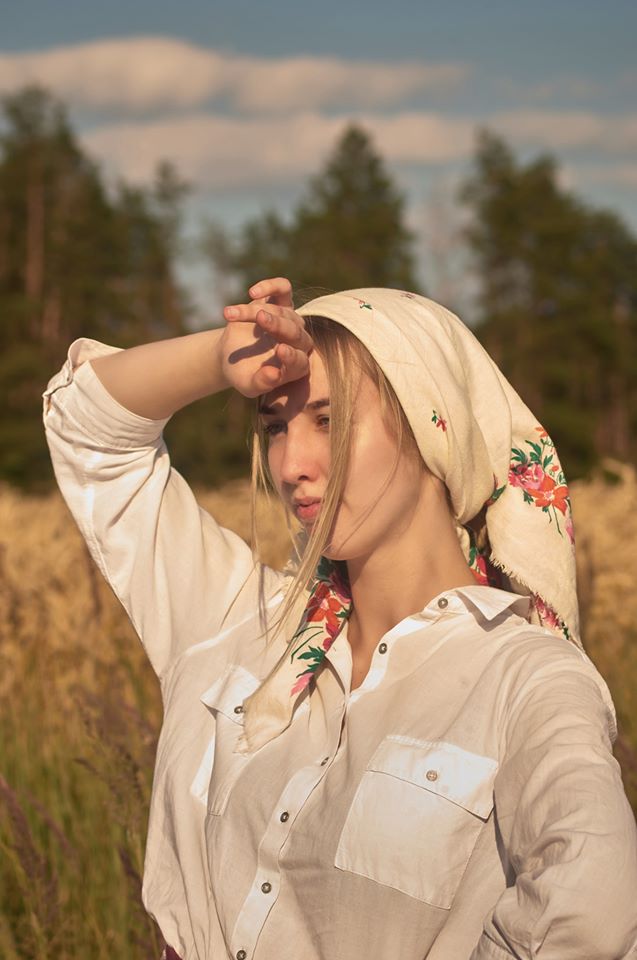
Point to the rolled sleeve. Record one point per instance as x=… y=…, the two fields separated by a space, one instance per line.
x=568 y=833
x=179 y=575
x=101 y=418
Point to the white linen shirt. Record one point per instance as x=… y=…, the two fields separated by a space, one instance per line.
x=461 y=804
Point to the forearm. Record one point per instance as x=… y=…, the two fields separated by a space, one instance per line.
x=154 y=380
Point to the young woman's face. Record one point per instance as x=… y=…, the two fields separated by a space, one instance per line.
x=383 y=483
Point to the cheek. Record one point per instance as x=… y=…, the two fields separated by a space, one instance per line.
x=373 y=458
x=380 y=475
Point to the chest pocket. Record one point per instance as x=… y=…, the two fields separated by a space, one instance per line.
x=416 y=817
x=225 y=699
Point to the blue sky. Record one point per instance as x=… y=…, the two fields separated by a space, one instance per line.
x=247 y=99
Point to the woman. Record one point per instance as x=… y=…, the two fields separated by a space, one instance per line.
x=414 y=759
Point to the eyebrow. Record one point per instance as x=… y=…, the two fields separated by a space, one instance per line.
x=266 y=411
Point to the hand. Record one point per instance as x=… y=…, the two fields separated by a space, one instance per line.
x=265 y=343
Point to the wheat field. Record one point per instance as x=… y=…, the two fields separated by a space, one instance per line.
x=80 y=711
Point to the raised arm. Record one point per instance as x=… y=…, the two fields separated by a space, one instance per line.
x=263 y=346
x=180 y=576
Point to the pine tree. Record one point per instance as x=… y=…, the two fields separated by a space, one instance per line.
x=558 y=302
x=348 y=230
x=76 y=260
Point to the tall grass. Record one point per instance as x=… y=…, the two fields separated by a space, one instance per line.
x=80 y=711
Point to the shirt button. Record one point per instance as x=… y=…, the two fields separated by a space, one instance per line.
x=443 y=602
x=432 y=774
x=284 y=816
x=238 y=709
x=241 y=955
x=382 y=648
x=324 y=761
x=266 y=887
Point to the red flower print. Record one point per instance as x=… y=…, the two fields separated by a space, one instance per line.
x=549 y=494
x=542 y=432
x=570 y=530
x=479 y=570
x=325 y=606
x=328 y=606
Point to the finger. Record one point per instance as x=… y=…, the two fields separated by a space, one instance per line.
x=285 y=326
x=294 y=363
x=242 y=311
x=276 y=290
x=287 y=365
x=249 y=311
x=266 y=378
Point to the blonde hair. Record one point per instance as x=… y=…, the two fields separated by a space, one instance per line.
x=346 y=360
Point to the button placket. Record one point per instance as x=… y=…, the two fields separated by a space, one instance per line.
x=263 y=893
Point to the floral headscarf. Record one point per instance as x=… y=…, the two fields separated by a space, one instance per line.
x=478 y=437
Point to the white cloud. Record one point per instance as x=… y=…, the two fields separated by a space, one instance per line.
x=143 y=73
x=564 y=129
x=218 y=151
x=313 y=81
x=215 y=150
x=130 y=74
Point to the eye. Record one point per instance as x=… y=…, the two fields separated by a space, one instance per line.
x=323 y=421
x=271 y=429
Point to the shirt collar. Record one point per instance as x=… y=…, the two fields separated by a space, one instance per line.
x=490 y=601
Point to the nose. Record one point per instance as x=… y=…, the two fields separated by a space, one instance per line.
x=300 y=458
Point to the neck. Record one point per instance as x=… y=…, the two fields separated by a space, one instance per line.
x=406 y=571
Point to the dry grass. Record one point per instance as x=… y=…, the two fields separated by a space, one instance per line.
x=79 y=712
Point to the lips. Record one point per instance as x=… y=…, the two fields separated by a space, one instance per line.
x=307 y=508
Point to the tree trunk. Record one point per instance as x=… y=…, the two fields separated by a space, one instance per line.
x=34 y=266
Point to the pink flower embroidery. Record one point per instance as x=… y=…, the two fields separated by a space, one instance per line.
x=547 y=615
x=549 y=618
x=301 y=683
x=528 y=475
x=538 y=473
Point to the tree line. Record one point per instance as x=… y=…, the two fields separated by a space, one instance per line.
x=557 y=291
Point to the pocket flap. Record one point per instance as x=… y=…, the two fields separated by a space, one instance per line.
x=442 y=768
x=226 y=695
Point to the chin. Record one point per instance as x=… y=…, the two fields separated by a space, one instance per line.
x=351 y=548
